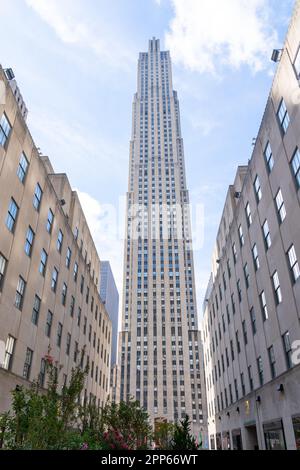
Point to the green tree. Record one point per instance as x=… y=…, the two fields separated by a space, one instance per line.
x=183 y=439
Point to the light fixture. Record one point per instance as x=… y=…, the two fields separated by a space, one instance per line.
x=237 y=194
x=238 y=409
x=228 y=414
x=258 y=399
x=280 y=388
x=62 y=202
x=276 y=55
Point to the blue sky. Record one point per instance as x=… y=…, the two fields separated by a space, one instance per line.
x=75 y=62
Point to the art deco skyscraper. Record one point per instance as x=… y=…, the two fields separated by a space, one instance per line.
x=160 y=346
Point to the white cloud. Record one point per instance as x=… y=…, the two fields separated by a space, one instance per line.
x=70 y=23
x=207 y=34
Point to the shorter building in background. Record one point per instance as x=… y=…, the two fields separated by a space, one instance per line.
x=251 y=320
x=49 y=268
x=16 y=91
x=110 y=297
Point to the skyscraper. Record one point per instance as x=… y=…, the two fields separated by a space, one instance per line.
x=160 y=344
x=110 y=296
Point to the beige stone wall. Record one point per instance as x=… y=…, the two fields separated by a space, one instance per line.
x=67 y=217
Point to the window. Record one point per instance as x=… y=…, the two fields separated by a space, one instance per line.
x=296 y=167
x=3 y=263
x=42 y=373
x=272 y=361
x=59 y=243
x=68 y=257
x=234 y=252
x=64 y=294
x=20 y=292
x=54 y=280
x=255 y=257
x=269 y=157
x=257 y=189
x=280 y=206
x=75 y=273
x=50 y=220
x=263 y=304
x=260 y=370
x=38 y=193
x=250 y=378
x=248 y=214
x=239 y=289
x=79 y=316
x=9 y=352
x=283 y=116
x=43 y=262
x=277 y=289
x=27 y=364
x=241 y=236
x=12 y=215
x=81 y=284
x=29 y=241
x=49 y=323
x=36 y=310
x=22 y=168
x=297 y=64
x=59 y=334
x=238 y=344
x=266 y=233
x=287 y=349
x=253 y=320
x=72 y=305
x=247 y=275
x=245 y=332
x=294 y=266
x=5 y=129
x=68 y=344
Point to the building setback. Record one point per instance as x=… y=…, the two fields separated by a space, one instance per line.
x=49 y=268
x=252 y=306
x=160 y=360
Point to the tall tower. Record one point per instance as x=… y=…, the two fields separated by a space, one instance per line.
x=160 y=345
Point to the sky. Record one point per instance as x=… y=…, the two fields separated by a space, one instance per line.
x=76 y=65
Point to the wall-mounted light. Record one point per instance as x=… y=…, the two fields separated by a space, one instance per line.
x=238 y=409
x=280 y=388
x=276 y=55
x=258 y=399
x=228 y=414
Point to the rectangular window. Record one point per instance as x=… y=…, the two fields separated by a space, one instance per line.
x=272 y=361
x=36 y=310
x=253 y=320
x=250 y=378
x=27 y=364
x=247 y=275
x=296 y=167
x=9 y=352
x=60 y=239
x=5 y=130
x=266 y=233
x=72 y=305
x=68 y=257
x=29 y=241
x=287 y=349
x=79 y=316
x=263 y=304
x=75 y=273
x=293 y=262
x=280 y=206
x=20 y=292
x=277 y=289
x=234 y=253
x=3 y=263
x=43 y=262
x=248 y=214
x=283 y=116
x=54 y=280
x=241 y=236
x=64 y=294
x=297 y=71
x=255 y=257
x=238 y=345
x=50 y=220
x=239 y=289
x=37 y=198
x=260 y=370
x=68 y=344
x=245 y=332
x=49 y=323
x=269 y=157
x=42 y=373
x=59 y=334
x=257 y=189
x=81 y=284
x=12 y=215
x=22 y=168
